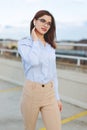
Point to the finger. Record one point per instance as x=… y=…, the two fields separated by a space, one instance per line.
x=33 y=29
x=61 y=108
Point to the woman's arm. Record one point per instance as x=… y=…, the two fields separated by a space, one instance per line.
x=55 y=80
x=29 y=51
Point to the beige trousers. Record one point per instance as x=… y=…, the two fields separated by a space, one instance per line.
x=37 y=97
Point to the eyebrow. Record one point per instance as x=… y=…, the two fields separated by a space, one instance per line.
x=45 y=20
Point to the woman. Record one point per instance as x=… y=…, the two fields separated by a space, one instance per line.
x=40 y=92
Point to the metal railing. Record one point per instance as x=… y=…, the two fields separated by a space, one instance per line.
x=78 y=58
x=2 y=50
x=82 y=55
x=73 y=44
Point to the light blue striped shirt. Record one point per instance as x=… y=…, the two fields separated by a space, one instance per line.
x=39 y=62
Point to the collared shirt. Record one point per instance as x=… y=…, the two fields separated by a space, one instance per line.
x=39 y=62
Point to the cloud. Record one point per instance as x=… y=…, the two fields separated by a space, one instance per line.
x=79 y=1
x=13 y=32
x=1 y=28
x=8 y=27
x=32 y=1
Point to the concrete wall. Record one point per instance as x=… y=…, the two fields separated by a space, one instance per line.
x=72 y=84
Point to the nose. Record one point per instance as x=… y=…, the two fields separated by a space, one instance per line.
x=46 y=25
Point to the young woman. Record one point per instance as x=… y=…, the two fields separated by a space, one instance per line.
x=40 y=92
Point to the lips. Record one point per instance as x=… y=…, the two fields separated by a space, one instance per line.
x=44 y=29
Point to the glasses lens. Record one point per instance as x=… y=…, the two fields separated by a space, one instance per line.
x=44 y=22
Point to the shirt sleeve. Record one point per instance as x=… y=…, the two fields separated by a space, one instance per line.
x=29 y=51
x=56 y=87
x=55 y=81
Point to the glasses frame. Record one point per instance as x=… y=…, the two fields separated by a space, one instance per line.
x=43 y=21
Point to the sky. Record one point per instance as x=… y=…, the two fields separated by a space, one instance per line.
x=70 y=17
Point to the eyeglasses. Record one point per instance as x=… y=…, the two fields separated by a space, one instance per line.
x=43 y=21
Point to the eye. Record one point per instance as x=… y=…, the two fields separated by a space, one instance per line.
x=42 y=20
x=45 y=22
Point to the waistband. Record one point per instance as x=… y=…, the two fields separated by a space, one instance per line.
x=39 y=84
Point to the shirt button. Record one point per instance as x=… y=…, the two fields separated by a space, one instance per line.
x=43 y=85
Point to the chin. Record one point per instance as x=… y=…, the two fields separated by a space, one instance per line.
x=42 y=33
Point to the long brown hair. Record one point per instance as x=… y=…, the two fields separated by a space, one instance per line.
x=51 y=34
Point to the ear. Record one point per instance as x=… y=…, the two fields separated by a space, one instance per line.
x=34 y=22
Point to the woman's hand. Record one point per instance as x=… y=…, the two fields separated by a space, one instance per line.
x=60 y=105
x=34 y=36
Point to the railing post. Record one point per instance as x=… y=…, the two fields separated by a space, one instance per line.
x=17 y=54
x=1 y=52
x=78 y=62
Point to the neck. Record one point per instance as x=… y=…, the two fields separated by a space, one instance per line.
x=40 y=36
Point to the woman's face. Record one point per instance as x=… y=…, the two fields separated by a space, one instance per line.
x=43 y=24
